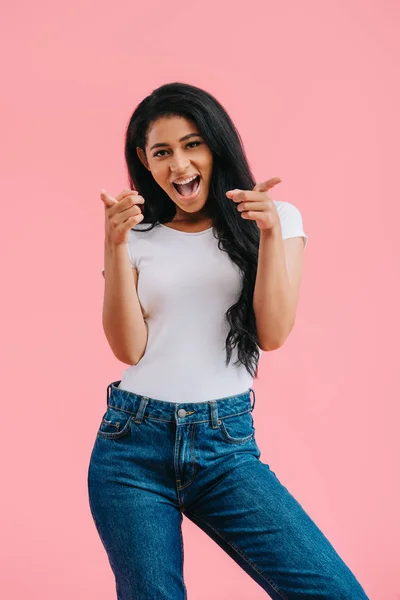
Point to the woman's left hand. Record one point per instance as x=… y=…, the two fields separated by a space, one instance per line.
x=256 y=205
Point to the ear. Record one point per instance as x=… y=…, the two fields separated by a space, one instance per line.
x=141 y=154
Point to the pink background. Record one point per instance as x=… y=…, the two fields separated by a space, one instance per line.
x=314 y=91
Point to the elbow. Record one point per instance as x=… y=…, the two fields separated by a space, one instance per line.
x=131 y=361
x=270 y=346
x=274 y=343
x=126 y=360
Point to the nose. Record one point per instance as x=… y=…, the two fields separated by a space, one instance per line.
x=179 y=163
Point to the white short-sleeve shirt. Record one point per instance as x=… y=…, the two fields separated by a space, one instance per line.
x=185 y=286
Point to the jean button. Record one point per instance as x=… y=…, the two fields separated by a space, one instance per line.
x=181 y=412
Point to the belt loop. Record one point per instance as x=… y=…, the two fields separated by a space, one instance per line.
x=214 y=414
x=140 y=412
x=254 y=399
x=108 y=394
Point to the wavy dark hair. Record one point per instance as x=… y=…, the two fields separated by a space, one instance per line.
x=237 y=236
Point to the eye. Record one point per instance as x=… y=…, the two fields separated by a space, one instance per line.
x=189 y=144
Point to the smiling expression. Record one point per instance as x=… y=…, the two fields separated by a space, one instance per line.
x=175 y=150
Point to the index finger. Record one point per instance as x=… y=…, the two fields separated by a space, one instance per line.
x=266 y=185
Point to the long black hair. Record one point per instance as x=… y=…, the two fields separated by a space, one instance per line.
x=237 y=236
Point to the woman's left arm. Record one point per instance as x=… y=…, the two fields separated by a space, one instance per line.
x=279 y=269
x=276 y=292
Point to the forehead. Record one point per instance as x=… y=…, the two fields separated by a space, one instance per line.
x=170 y=129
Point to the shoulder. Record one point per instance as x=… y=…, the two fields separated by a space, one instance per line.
x=287 y=210
x=291 y=220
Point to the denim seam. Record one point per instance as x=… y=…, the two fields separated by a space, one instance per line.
x=232 y=545
x=233 y=440
x=129 y=412
x=111 y=423
x=176 y=453
x=121 y=433
x=173 y=420
x=236 y=414
x=182 y=555
x=194 y=464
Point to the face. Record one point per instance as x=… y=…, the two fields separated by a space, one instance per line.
x=169 y=157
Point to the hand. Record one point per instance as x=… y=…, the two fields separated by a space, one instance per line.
x=121 y=214
x=256 y=205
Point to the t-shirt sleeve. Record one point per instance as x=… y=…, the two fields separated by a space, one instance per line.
x=291 y=221
x=132 y=260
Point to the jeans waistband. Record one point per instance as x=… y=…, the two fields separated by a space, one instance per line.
x=182 y=412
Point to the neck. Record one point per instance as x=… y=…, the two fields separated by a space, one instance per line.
x=191 y=218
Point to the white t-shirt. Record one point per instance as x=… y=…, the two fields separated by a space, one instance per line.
x=185 y=286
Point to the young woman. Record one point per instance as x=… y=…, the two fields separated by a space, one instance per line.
x=202 y=272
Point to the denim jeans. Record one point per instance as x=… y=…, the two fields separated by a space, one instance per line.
x=154 y=461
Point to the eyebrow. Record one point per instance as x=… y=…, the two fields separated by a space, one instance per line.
x=186 y=137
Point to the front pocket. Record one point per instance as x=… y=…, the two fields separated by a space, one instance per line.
x=115 y=423
x=237 y=429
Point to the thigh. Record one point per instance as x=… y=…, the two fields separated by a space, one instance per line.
x=139 y=526
x=255 y=519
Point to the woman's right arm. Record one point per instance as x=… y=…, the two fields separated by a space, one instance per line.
x=123 y=322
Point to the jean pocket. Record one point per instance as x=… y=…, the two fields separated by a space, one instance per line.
x=237 y=429
x=116 y=423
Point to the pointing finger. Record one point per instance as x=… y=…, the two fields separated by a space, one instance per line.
x=266 y=185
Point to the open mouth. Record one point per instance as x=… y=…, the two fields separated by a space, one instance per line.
x=189 y=190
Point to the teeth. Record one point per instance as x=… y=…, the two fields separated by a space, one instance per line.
x=186 y=180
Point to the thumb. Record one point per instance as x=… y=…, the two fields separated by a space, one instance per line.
x=107 y=199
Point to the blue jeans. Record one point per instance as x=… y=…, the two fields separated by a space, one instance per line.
x=154 y=461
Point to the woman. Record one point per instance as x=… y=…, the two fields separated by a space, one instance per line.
x=220 y=268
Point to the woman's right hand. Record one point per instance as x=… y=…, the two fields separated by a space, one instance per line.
x=121 y=214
